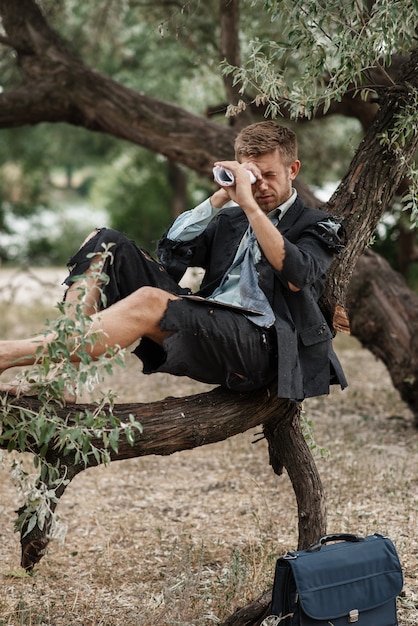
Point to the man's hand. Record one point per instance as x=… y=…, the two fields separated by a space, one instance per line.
x=241 y=192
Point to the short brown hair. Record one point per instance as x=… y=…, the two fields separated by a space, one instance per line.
x=264 y=137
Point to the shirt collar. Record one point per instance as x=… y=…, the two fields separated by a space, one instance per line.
x=280 y=211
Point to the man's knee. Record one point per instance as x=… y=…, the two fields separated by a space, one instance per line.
x=146 y=308
x=150 y=305
x=152 y=298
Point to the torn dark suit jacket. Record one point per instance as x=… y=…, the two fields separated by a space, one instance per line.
x=307 y=363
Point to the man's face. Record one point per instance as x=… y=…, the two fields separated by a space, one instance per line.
x=276 y=184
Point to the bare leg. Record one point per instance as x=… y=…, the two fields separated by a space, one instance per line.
x=85 y=293
x=126 y=321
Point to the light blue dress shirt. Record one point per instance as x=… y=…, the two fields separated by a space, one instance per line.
x=192 y=223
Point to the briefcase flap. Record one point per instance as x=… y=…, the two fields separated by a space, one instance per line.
x=345 y=577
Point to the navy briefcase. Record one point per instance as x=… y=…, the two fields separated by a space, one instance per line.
x=354 y=580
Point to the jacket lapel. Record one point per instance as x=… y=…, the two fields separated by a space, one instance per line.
x=291 y=216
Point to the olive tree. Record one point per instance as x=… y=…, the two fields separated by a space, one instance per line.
x=330 y=56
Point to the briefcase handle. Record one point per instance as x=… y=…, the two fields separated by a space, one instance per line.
x=337 y=537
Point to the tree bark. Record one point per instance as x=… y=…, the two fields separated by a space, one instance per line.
x=176 y=424
x=230 y=52
x=252 y=614
x=59 y=87
x=384 y=324
x=369 y=185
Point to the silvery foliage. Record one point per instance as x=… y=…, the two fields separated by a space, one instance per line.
x=325 y=50
x=90 y=434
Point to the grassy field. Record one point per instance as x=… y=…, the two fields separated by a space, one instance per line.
x=184 y=540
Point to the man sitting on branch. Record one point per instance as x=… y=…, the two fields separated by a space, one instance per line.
x=255 y=318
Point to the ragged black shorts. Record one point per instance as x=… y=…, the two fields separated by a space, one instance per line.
x=208 y=343
x=212 y=344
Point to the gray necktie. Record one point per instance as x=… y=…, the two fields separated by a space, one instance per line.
x=252 y=296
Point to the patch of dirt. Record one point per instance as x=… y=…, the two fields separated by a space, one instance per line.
x=183 y=540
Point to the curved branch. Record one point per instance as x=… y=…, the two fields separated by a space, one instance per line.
x=383 y=322
x=176 y=424
x=97 y=103
x=59 y=87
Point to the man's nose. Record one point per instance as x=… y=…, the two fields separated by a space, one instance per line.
x=262 y=184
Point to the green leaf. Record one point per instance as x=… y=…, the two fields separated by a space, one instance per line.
x=31 y=524
x=114 y=439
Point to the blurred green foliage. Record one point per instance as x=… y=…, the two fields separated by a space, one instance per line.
x=169 y=51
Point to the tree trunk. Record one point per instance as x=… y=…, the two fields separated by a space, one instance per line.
x=178 y=183
x=230 y=52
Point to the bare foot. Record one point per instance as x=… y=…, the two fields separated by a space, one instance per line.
x=20 y=388
x=11 y=388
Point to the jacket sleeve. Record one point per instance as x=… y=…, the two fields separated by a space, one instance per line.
x=191 y=224
x=177 y=255
x=308 y=259
x=187 y=242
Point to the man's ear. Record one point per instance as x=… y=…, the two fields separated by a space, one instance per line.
x=294 y=169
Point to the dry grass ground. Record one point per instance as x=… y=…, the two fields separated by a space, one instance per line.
x=184 y=540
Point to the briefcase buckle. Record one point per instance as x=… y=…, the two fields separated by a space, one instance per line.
x=353 y=616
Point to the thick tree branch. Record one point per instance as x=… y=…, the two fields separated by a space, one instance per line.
x=176 y=424
x=59 y=87
x=97 y=103
x=381 y=302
